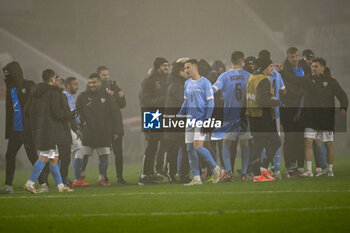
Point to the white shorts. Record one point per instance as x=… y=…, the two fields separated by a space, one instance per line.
x=194 y=134
x=86 y=150
x=50 y=154
x=76 y=143
x=323 y=136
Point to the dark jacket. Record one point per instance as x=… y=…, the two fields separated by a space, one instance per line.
x=23 y=87
x=100 y=118
x=153 y=91
x=292 y=98
x=111 y=85
x=175 y=93
x=47 y=115
x=319 y=103
x=306 y=67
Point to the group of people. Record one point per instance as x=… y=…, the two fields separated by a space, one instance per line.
x=256 y=99
x=52 y=126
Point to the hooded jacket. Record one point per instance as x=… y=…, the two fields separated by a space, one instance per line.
x=15 y=80
x=100 y=118
x=47 y=117
x=319 y=103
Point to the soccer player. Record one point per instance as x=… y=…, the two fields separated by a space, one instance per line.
x=320 y=90
x=48 y=119
x=233 y=84
x=198 y=105
x=100 y=118
x=17 y=93
x=260 y=108
x=70 y=89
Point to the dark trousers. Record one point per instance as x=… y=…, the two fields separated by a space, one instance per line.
x=271 y=142
x=293 y=147
x=117 y=146
x=15 y=142
x=172 y=154
x=161 y=157
x=153 y=140
x=64 y=151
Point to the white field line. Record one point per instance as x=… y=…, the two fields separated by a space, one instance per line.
x=72 y=195
x=130 y=214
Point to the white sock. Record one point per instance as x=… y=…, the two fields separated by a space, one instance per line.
x=330 y=167
x=31 y=183
x=101 y=177
x=60 y=186
x=263 y=169
x=300 y=169
x=318 y=169
x=196 y=178
x=309 y=165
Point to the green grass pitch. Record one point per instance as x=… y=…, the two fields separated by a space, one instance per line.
x=297 y=205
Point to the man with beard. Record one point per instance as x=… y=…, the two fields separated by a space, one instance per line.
x=153 y=95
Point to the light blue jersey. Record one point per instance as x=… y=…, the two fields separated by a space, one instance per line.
x=277 y=85
x=198 y=93
x=17 y=111
x=232 y=83
x=71 y=103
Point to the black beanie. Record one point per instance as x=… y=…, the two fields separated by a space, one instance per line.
x=158 y=62
x=263 y=63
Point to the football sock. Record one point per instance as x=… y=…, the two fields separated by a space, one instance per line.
x=226 y=156
x=206 y=154
x=55 y=171
x=38 y=167
x=77 y=163
x=245 y=158
x=330 y=167
x=309 y=165
x=85 y=162
x=196 y=178
x=179 y=158
x=102 y=165
x=193 y=159
x=263 y=169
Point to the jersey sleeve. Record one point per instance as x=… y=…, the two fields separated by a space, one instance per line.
x=219 y=84
x=208 y=91
x=280 y=80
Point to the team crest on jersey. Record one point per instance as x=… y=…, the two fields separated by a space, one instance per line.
x=24 y=90
x=325 y=84
x=103 y=100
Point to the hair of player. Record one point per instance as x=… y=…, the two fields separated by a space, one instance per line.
x=94 y=75
x=193 y=62
x=292 y=50
x=264 y=54
x=236 y=57
x=47 y=75
x=69 y=80
x=320 y=60
x=101 y=68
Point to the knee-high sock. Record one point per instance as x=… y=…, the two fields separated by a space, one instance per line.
x=277 y=160
x=102 y=165
x=206 y=154
x=38 y=167
x=77 y=163
x=179 y=158
x=85 y=162
x=320 y=156
x=193 y=159
x=55 y=171
x=226 y=156
x=245 y=158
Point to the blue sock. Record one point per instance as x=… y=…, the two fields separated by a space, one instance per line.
x=38 y=167
x=206 y=154
x=226 y=156
x=102 y=165
x=193 y=159
x=245 y=158
x=277 y=160
x=77 y=163
x=179 y=158
x=55 y=171
x=320 y=154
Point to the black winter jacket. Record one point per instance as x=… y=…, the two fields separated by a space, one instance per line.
x=100 y=118
x=47 y=115
x=23 y=86
x=153 y=91
x=319 y=103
